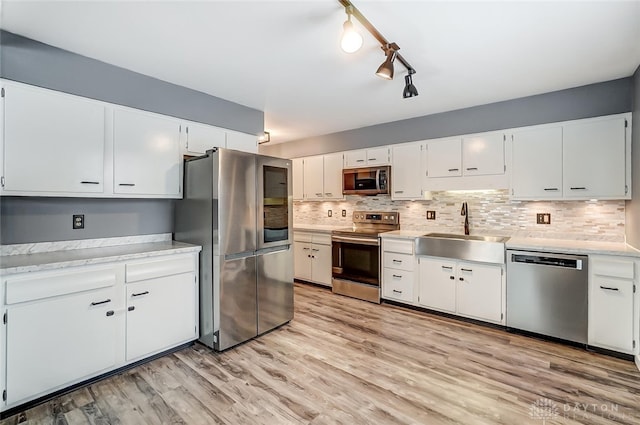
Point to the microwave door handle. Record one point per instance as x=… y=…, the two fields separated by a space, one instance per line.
x=378 y=179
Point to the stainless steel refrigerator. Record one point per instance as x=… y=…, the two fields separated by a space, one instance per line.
x=238 y=207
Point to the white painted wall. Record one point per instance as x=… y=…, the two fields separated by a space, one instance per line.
x=632 y=224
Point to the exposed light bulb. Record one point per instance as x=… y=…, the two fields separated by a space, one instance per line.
x=351 y=39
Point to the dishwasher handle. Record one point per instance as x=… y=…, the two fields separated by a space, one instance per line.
x=545 y=260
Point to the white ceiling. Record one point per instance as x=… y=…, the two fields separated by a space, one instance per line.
x=283 y=57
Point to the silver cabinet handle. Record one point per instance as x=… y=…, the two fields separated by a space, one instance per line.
x=447 y=267
x=88 y=182
x=359 y=160
x=108 y=300
x=139 y=294
x=397 y=292
x=373 y=159
x=578 y=188
x=548 y=189
x=306 y=249
x=319 y=194
x=396 y=276
x=454 y=169
x=472 y=169
x=127 y=184
x=399 y=191
x=315 y=249
x=397 y=261
x=328 y=193
x=466 y=270
x=609 y=288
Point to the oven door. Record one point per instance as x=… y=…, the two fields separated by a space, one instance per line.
x=356 y=259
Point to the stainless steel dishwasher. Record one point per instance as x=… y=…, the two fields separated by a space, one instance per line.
x=547 y=294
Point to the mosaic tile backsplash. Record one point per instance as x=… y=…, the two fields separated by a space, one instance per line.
x=490 y=212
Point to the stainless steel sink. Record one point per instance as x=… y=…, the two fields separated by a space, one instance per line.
x=486 y=249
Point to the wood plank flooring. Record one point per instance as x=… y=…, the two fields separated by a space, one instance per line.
x=345 y=361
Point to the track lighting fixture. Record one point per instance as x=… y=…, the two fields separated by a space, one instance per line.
x=391 y=49
x=386 y=69
x=351 y=39
x=409 y=89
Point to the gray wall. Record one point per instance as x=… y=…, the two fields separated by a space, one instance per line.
x=605 y=98
x=632 y=221
x=29 y=219
x=24 y=220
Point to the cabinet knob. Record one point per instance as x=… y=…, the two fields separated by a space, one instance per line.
x=110 y=313
x=131 y=308
x=462 y=279
x=451 y=277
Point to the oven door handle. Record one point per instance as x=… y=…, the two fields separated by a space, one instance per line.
x=361 y=241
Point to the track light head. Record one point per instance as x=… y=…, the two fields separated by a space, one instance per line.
x=386 y=69
x=351 y=39
x=409 y=89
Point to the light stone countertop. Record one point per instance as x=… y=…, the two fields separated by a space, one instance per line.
x=403 y=234
x=22 y=263
x=566 y=246
x=318 y=228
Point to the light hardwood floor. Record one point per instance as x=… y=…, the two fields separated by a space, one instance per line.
x=344 y=361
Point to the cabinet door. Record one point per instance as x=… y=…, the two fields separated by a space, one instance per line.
x=298 y=178
x=200 y=138
x=333 y=176
x=146 y=154
x=483 y=154
x=594 y=161
x=479 y=291
x=321 y=264
x=52 y=142
x=302 y=260
x=313 y=178
x=242 y=141
x=611 y=318
x=406 y=180
x=536 y=172
x=355 y=159
x=438 y=284
x=161 y=313
x=445 y=158
x=56 y=341
x=378 y=156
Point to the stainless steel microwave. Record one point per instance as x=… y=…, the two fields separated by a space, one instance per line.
x=366 y=181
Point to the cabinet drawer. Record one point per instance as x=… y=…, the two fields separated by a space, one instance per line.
x=135 y=272
x=398 y=261
x=302 y=237
x=400 y=246
x=611 y=313
x=34 y=286
x=321 y=238
x=398 y=284
x=612 y=267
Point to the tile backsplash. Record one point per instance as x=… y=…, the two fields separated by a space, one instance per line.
x=490 y=212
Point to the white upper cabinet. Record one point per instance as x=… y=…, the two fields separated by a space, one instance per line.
x=594 y=158
x=332 y=176
x=199 y=138
x=537 y=164
x=297 y=174
x=146 y=160
x=445 y=157
x=367 y=157
x=483 y=154
x=313 y=178
x=406 y=175
x=242 y=141
x=53 y=143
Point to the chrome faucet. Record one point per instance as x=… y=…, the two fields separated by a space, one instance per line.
x=465 y=213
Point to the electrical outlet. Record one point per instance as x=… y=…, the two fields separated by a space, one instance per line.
x=78 y=221
x=431 y=215
x=543 y=218
x=344 y=213
x=329 y=213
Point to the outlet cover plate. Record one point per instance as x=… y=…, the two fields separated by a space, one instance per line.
x=78 y=221
x=344 y=213
x=431 y=215
x=329 y=213
x=543 y=218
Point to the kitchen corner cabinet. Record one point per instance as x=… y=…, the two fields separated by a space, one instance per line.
x=469 y=289
x=367 y=157
x=146 y=152
x=398 y=270
x=53 y=143
x=297 y=175
x=321 y=177
x=312 y=257
x=66 y=326
x=406 y=171
x=613 y=303
x=242 y=141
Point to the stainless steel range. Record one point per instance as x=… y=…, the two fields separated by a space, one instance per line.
x=356 y=254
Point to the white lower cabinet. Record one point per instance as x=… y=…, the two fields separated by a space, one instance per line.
x=474 y=290
x=398 y=270
x=66 y=326
x=613 y=304
x=312 y=257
